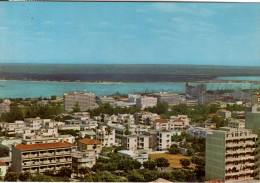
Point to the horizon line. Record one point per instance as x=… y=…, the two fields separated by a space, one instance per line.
x=127 y=64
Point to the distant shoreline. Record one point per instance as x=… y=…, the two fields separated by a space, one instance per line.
x=114 y=82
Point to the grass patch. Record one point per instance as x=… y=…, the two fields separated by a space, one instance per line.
x=174 y=159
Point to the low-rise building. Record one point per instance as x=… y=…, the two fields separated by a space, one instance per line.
x=237 y=124
x=88 y=144
x=83 y=159
x=36 y=158
x=134 y=155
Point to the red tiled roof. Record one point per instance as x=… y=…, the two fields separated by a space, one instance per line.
x=26 y=147
x=178 y=120
x=211 y=115
x=160 y=121
x=89 y=141
x=3 y=163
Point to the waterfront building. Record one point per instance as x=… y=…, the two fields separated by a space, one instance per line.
x=133 y=97
x=109 y=100
x=230 y=154
x=85 y=101
x=37 y=158
x=144 y=102
x=88 y=144
x=170 y=98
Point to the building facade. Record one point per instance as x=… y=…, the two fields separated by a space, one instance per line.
x=85 y=101
x=230 y=154
x=37 y=158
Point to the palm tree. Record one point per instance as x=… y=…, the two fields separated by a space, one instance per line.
x=108 y=132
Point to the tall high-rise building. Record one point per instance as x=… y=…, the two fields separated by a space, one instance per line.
x=85 y=101
x=230 y=154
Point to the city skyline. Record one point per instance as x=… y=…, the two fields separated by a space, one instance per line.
x=130 y=33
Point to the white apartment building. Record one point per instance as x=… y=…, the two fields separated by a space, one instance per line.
x=83 y=159
x=160 y=124
x=134 y=142
x=105 y=137
x=145 y=118
x=184 y=118
x=85 y=101
x=34 y=123
x=164 y=140
x=230 y=154
x=145 y=102
x=237 y=124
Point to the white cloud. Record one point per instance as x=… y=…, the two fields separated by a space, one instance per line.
x=48 y=23
x=3 y=28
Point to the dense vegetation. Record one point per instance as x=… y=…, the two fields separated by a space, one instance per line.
x=108 y=109
x=32 y=110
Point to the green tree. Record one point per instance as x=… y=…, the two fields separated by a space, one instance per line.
x=151 y=165
x=174 y=149
x=4 y=152
x=134 y=176
x=53 y=97
x=65 y=172
x=185 y=162
x=76 y=107
x=49 y=173
x=198 y=160
x=10 y=177
x=15 y=113
x=24 y=176
x=190 y=151
x=162 y=162
x=83 y=171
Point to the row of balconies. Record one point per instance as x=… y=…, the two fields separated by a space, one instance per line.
x=231 y=165
x=240 y=150
x=240 y=155
x=42 y=169
x=240 y=144
x=241 y=172
x=240 y=158
x=46 y=154
x=35 y=163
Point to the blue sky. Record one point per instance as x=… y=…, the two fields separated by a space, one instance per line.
x=130 y=33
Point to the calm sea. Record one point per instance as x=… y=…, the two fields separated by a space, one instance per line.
x=26 y=89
